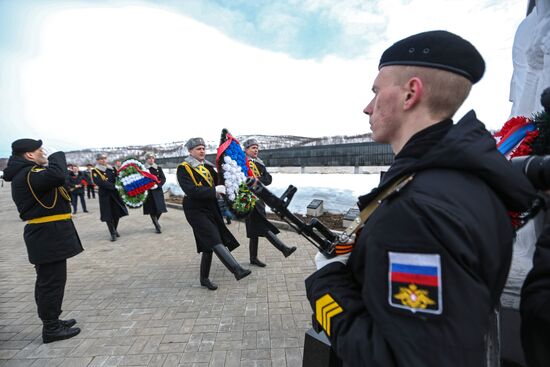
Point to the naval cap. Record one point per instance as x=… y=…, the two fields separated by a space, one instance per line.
x=250 y=142
x=25 y=145
x=194 y=142
x=437 y=49
x=149 y=155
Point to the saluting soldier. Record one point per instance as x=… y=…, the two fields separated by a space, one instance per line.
x=197 y=177
x=154 y=205
x=39 y=192
x=257 y=224
x=111 y=206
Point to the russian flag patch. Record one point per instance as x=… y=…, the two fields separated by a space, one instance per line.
x=415 y=282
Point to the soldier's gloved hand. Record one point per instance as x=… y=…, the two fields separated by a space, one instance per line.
x=154 y=186
x=321 y=260
x=220 y=189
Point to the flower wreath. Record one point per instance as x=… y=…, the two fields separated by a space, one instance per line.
x=133 y=181
x=522 y=136
x=233 y=167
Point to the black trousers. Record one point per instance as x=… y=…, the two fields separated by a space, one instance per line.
x=90 y=190
x=50 y=289
x=74 y=201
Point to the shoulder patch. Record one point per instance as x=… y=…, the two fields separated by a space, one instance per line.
x=414 y=282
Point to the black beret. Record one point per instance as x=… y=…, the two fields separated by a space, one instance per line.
x=25 y=145
x=437 y=49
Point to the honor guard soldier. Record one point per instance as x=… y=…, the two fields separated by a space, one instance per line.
x=198 y=179
x=154 y=204
x=257 y=224
x=111 y=206
x=39 y=192
x=428 y=268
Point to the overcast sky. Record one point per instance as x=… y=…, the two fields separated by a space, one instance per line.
x=83 y=74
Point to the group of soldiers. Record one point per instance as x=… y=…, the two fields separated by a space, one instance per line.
x=43 y=192
x=420 y=282
x=198 y=179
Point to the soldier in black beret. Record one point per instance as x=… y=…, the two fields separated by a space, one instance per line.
x=40 y=194
x=423 y=277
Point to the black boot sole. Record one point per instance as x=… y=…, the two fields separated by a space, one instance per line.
x=209 y=285
x=243 y=274
x=257 y=263
x=289 y=252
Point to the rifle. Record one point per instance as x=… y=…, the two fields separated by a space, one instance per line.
x=315 y=231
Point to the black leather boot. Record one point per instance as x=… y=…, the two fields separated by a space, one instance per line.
x=230 y=263
x=253 y=246
x=279 y=245
x=54 y=330
x=112 y=231
x=155 y=222
x=206 y=262
x=68 y=323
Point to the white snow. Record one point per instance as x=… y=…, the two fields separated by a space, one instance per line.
x=339 y=192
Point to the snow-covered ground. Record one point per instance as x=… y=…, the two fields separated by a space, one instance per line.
x=338 y=191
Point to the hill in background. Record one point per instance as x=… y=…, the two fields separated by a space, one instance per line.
x=177 y=149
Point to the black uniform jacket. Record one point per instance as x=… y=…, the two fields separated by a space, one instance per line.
x=431 y=262
x=154 y=204
x=111 y=205
x=201 y=209
x=51 y=241
x=257 y=224
x=74 y=180
x=535 y=306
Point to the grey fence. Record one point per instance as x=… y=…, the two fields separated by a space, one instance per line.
x=355 y=154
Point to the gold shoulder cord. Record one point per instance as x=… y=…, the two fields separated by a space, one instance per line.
x=188 y=169
x=34 y=195
x=64 y=193
x=101 y=175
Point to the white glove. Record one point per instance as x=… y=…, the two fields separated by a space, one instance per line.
x=220 y=189
x=321 y=260
x=155 y=186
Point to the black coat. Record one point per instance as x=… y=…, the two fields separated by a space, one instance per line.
x=111 y=205
x=202 y=212
x=51 y=241
x=535 y=306
x=257 y=224
x=430 y=263
x=154 y=204
x=74 y=180
x=88 y=178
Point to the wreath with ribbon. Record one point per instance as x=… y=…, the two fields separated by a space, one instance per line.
x=133 y=181
x=232 y=165
x=521 y=136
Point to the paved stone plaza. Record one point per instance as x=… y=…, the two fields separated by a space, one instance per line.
x=139 y=303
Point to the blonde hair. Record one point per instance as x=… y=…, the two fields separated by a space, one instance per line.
x=444 y=92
